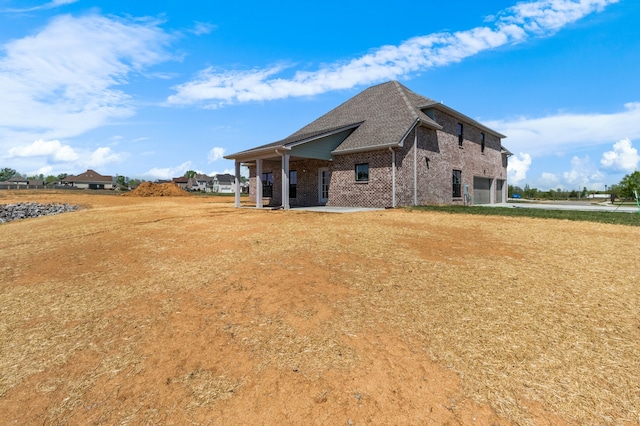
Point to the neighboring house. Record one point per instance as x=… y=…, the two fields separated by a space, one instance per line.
x=202 y=183
x=182 y=182
x=224 y=183
x=18 y=180
x=385 y=147
x=89 y=180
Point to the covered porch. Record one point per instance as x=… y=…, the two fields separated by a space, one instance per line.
x=288 y=181
x=296 y=171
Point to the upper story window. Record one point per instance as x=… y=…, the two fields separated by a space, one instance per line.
x=460 y=134
x=362 y=172
x=482 y=142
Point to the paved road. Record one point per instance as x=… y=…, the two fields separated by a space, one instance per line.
x=570 y=205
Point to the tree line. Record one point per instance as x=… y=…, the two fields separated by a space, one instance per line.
x=622 y=190
x=7 y=173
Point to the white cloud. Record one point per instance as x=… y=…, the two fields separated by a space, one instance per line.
x=61 y=81
x=623 y=158
x=549 y=181
x=45 y=170
x=557 y=133
x=201 y=28
x=518 y=167
x=167 y=172
x=215 y=154
x=50 y=5
x=102 y=156
x=60 y=156
x=513 y=25
x=583 y=173
x=54 y=150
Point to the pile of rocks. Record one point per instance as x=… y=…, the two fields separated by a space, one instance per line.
x=9 y=212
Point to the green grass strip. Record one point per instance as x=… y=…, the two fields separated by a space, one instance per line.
x=618 y=218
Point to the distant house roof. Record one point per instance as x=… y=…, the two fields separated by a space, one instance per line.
x=225 y=179
x=181 y=180
x=90 y=176
x=204 y=178
x=18 y=179
x=378 y=117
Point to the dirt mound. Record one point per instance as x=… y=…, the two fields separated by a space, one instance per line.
x=149 y=189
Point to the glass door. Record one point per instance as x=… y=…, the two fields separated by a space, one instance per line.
x=323 y=185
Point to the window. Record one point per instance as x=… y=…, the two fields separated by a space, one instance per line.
x=267 y=185
x=460 y=131
x=457 y=183
x=293 y=183
x=362 y=172
x=482 y=142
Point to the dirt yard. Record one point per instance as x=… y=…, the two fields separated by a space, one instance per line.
x=184 y=310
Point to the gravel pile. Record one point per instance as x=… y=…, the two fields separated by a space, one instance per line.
x=9 y=212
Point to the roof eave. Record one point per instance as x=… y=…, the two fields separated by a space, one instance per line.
x=256 y=153
x=323 y=135
x=451 y=111
x=366 y=148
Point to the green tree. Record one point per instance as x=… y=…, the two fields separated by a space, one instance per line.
x=514 y=190
x=190 y=174
x=50 y=179
x=628 y=184
x=121 y=180
x=6 y=174
x=62 y=176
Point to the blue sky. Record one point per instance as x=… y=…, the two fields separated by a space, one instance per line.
x=152 y=89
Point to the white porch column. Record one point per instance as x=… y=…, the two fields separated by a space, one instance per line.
x=237 y=183
x=285 y=181
x=259 y=183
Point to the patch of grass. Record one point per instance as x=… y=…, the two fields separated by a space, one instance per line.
x=218 y=194
x=617 y=218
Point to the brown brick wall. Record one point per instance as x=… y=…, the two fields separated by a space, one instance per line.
x=434 y=177
x=376 y=192
x=440 y=147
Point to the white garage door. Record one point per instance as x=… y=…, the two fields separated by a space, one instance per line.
x=481 y=190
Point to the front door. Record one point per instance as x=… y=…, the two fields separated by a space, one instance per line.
x=323 y=185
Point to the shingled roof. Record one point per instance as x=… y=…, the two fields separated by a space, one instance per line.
x=90 y=176
x=381 y=117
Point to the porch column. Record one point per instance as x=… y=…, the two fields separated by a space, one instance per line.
x=259 y=183
x=237 y=183
x=285 y=181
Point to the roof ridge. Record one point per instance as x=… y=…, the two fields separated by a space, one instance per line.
x=401 y=91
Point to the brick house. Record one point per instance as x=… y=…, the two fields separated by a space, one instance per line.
x=224 y=183
x=385 y=147
x=90 y=180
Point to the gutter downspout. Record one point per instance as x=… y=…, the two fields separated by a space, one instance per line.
x=415 y=166
x=393 y=177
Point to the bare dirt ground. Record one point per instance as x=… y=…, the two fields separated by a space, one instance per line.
x=184 y=310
